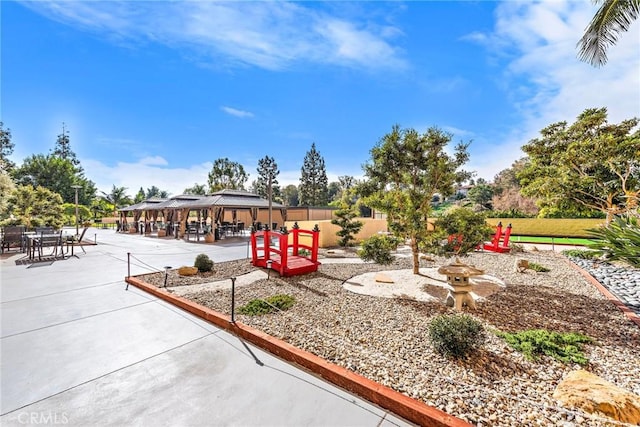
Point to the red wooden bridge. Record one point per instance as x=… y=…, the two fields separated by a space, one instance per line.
x=271 y=249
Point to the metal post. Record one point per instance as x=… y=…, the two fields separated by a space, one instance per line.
x=233 y=299
x=128 y=269
x=166 y=273
x=76 y=187
x=269 y=190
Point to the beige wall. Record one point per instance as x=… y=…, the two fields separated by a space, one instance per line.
x=328 y=231
x=303 y=213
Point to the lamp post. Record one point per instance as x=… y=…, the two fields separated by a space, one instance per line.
x=76 y=187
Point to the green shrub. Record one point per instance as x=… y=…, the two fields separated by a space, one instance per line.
x=456 y=336
x=304 y=252
x=620 y=240
x=377 y=249
x=516 y=248
x=539 y=268
x=458 y=231
x=581 y=253
x=564 y=347
x=257 y=307
x=203 y=263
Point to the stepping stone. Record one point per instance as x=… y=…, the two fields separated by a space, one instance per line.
x=383 y=278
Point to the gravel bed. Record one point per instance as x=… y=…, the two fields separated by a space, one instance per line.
x=386 y=339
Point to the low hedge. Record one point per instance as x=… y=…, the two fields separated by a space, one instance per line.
x=551 y=227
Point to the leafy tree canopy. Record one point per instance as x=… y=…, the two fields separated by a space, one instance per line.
x=290 y=195
x=63 y=149
x=35 y=207
x=140 y=196
x=507 y=196
x=197 y=189
x=406 y=169
x=481 y=194
x=156 y=192
x=588 y=165
x=226 y=174
x=313 y=189
x=267 y=170
x=6 y=149
x=6 y=188
x=56 y=174
x=117 y=197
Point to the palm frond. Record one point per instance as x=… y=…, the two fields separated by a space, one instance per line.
x=613 y=17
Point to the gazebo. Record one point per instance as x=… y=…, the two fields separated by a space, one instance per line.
x=233 y=206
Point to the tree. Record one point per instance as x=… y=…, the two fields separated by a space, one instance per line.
x=612 y=18
x=36 y=207
x=589 y=165
x=290 y=195
x=56 y=174
x=6 y=149
x=69 y=210
x=507 y=195
x=117 y=197
x=197 y=189
x=345 y=216
x=406 y=169
x=226 y=174
x=458 y=231
x=156 y=192
x=63 y=149
x=313 y=189
x=481 y=194
x=267 y=169
x=140 y=196
x=333 y=191
x=6 y=188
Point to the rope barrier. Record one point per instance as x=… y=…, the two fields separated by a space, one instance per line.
x=338 y=341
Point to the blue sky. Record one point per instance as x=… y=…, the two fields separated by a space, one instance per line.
x=153 y=92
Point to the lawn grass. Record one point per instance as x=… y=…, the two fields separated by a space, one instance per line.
x=550 y=240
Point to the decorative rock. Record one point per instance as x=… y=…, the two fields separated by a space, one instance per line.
x=592 y=394
x=521 y=265
x=383 y=278
x=187 y=271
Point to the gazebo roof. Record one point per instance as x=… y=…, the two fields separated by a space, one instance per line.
x=145 y=205
x=231 y=199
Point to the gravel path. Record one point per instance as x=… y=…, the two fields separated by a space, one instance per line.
x=385 y=339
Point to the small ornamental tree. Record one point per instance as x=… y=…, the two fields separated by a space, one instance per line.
x=405 y=171
x=345 y=216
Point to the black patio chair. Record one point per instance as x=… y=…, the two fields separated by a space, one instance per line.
x=53 y=241
x=13 y=235
x=79 y=242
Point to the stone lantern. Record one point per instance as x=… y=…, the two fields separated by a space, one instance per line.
x=458 y=275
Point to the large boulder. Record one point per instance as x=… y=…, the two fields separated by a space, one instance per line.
x=586 y=391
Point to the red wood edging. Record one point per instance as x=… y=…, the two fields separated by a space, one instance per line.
x=604 y=291
x=385 y=397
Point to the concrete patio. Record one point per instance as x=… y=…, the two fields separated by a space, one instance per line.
x=77 y=348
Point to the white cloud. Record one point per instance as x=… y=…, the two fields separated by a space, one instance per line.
x=271 y=35
x=236 y=112
x=545 y=80
x=146 y=173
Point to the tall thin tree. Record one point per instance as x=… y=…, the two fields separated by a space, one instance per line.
x=313 y=189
